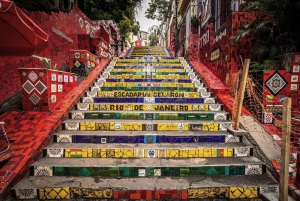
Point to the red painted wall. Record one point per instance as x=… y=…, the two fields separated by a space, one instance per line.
x=69 y=24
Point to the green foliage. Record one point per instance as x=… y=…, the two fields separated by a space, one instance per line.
x=158 y=9
x=135 y=29
x=277 y=32
x=110 y=9
x=153 y=39
x=125 y=26
x=264 y=65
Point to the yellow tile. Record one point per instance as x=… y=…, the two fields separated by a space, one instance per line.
x=103 y=153
x=84 y=153
x=243 y=192
x=67 y=153
x=89 y=152
x=230 y=152
x=207 y=152
x=119 y=153
x=214 y=153
x=111 y=126
x=54 y=193
x=172 y=153
x=138 y=127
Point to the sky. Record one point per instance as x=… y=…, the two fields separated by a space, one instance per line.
x=140 y=17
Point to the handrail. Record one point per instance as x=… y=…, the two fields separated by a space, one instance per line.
x=4 y=135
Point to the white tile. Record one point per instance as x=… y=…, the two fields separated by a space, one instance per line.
x=43 y=171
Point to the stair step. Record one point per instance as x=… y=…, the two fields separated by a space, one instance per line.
x=143 y=137
x=151 y=188
x=145 y=125
x=160 y=150
x=196 y=102
x=147 y=167
x=164 y=115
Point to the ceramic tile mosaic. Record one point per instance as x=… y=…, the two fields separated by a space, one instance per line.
x=40 y=87
x=33 y=76
x=253 y=169
x=83 y=106
x=275 y=83
x=43 y=171
x=28 y=86
x=77 y=115
x=54 y=193
x=245 y=151
x=26 y=193
x=240 y=192
x=28 y=140
x=64 y=138
x=216 y=193
x=34 y=98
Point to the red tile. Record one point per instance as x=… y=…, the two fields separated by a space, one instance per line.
x=135 y=196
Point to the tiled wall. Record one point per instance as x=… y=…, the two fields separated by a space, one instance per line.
x=68 y=24
x=229 y=61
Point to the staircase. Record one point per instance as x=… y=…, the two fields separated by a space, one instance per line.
x=148 y=129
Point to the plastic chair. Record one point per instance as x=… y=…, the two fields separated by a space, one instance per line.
x=3 y=134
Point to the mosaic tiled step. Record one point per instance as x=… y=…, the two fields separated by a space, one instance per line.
x=155 y=94
x=145 y=125
x=152 y=70
x=162 y=150
x=149 y=80
x=146 y=188
x=150 y=115
x=149 y=73
x=139 y=66
x=143 y=137
x=152 y=88
x=171 y=101
x=163 y=76
x=148 y=84
x=147 y=167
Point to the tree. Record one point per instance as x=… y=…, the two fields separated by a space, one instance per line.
x=276 y=32
x=158 y=9
x=121 y=11
x=153 y=39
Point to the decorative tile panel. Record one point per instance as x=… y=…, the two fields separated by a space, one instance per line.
x=77 y=115
x=243 y=192
x=32 y=76
x=42 y=171
x=220 y=116
x=54 y=193
x=275 y=83
x=83 y=106
x=214 y=107
x=57 y=153
x=231 y=138
x=242 y=151
x=87 y=100
x=40 y=87
x=64 y=138
x=26 y=193
x=253 y=169
x=85 y=193
x=205 y=193
x=72 y=126
x=224 y=126
x=269 y=189
x=28 y=86
x=34 y=98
